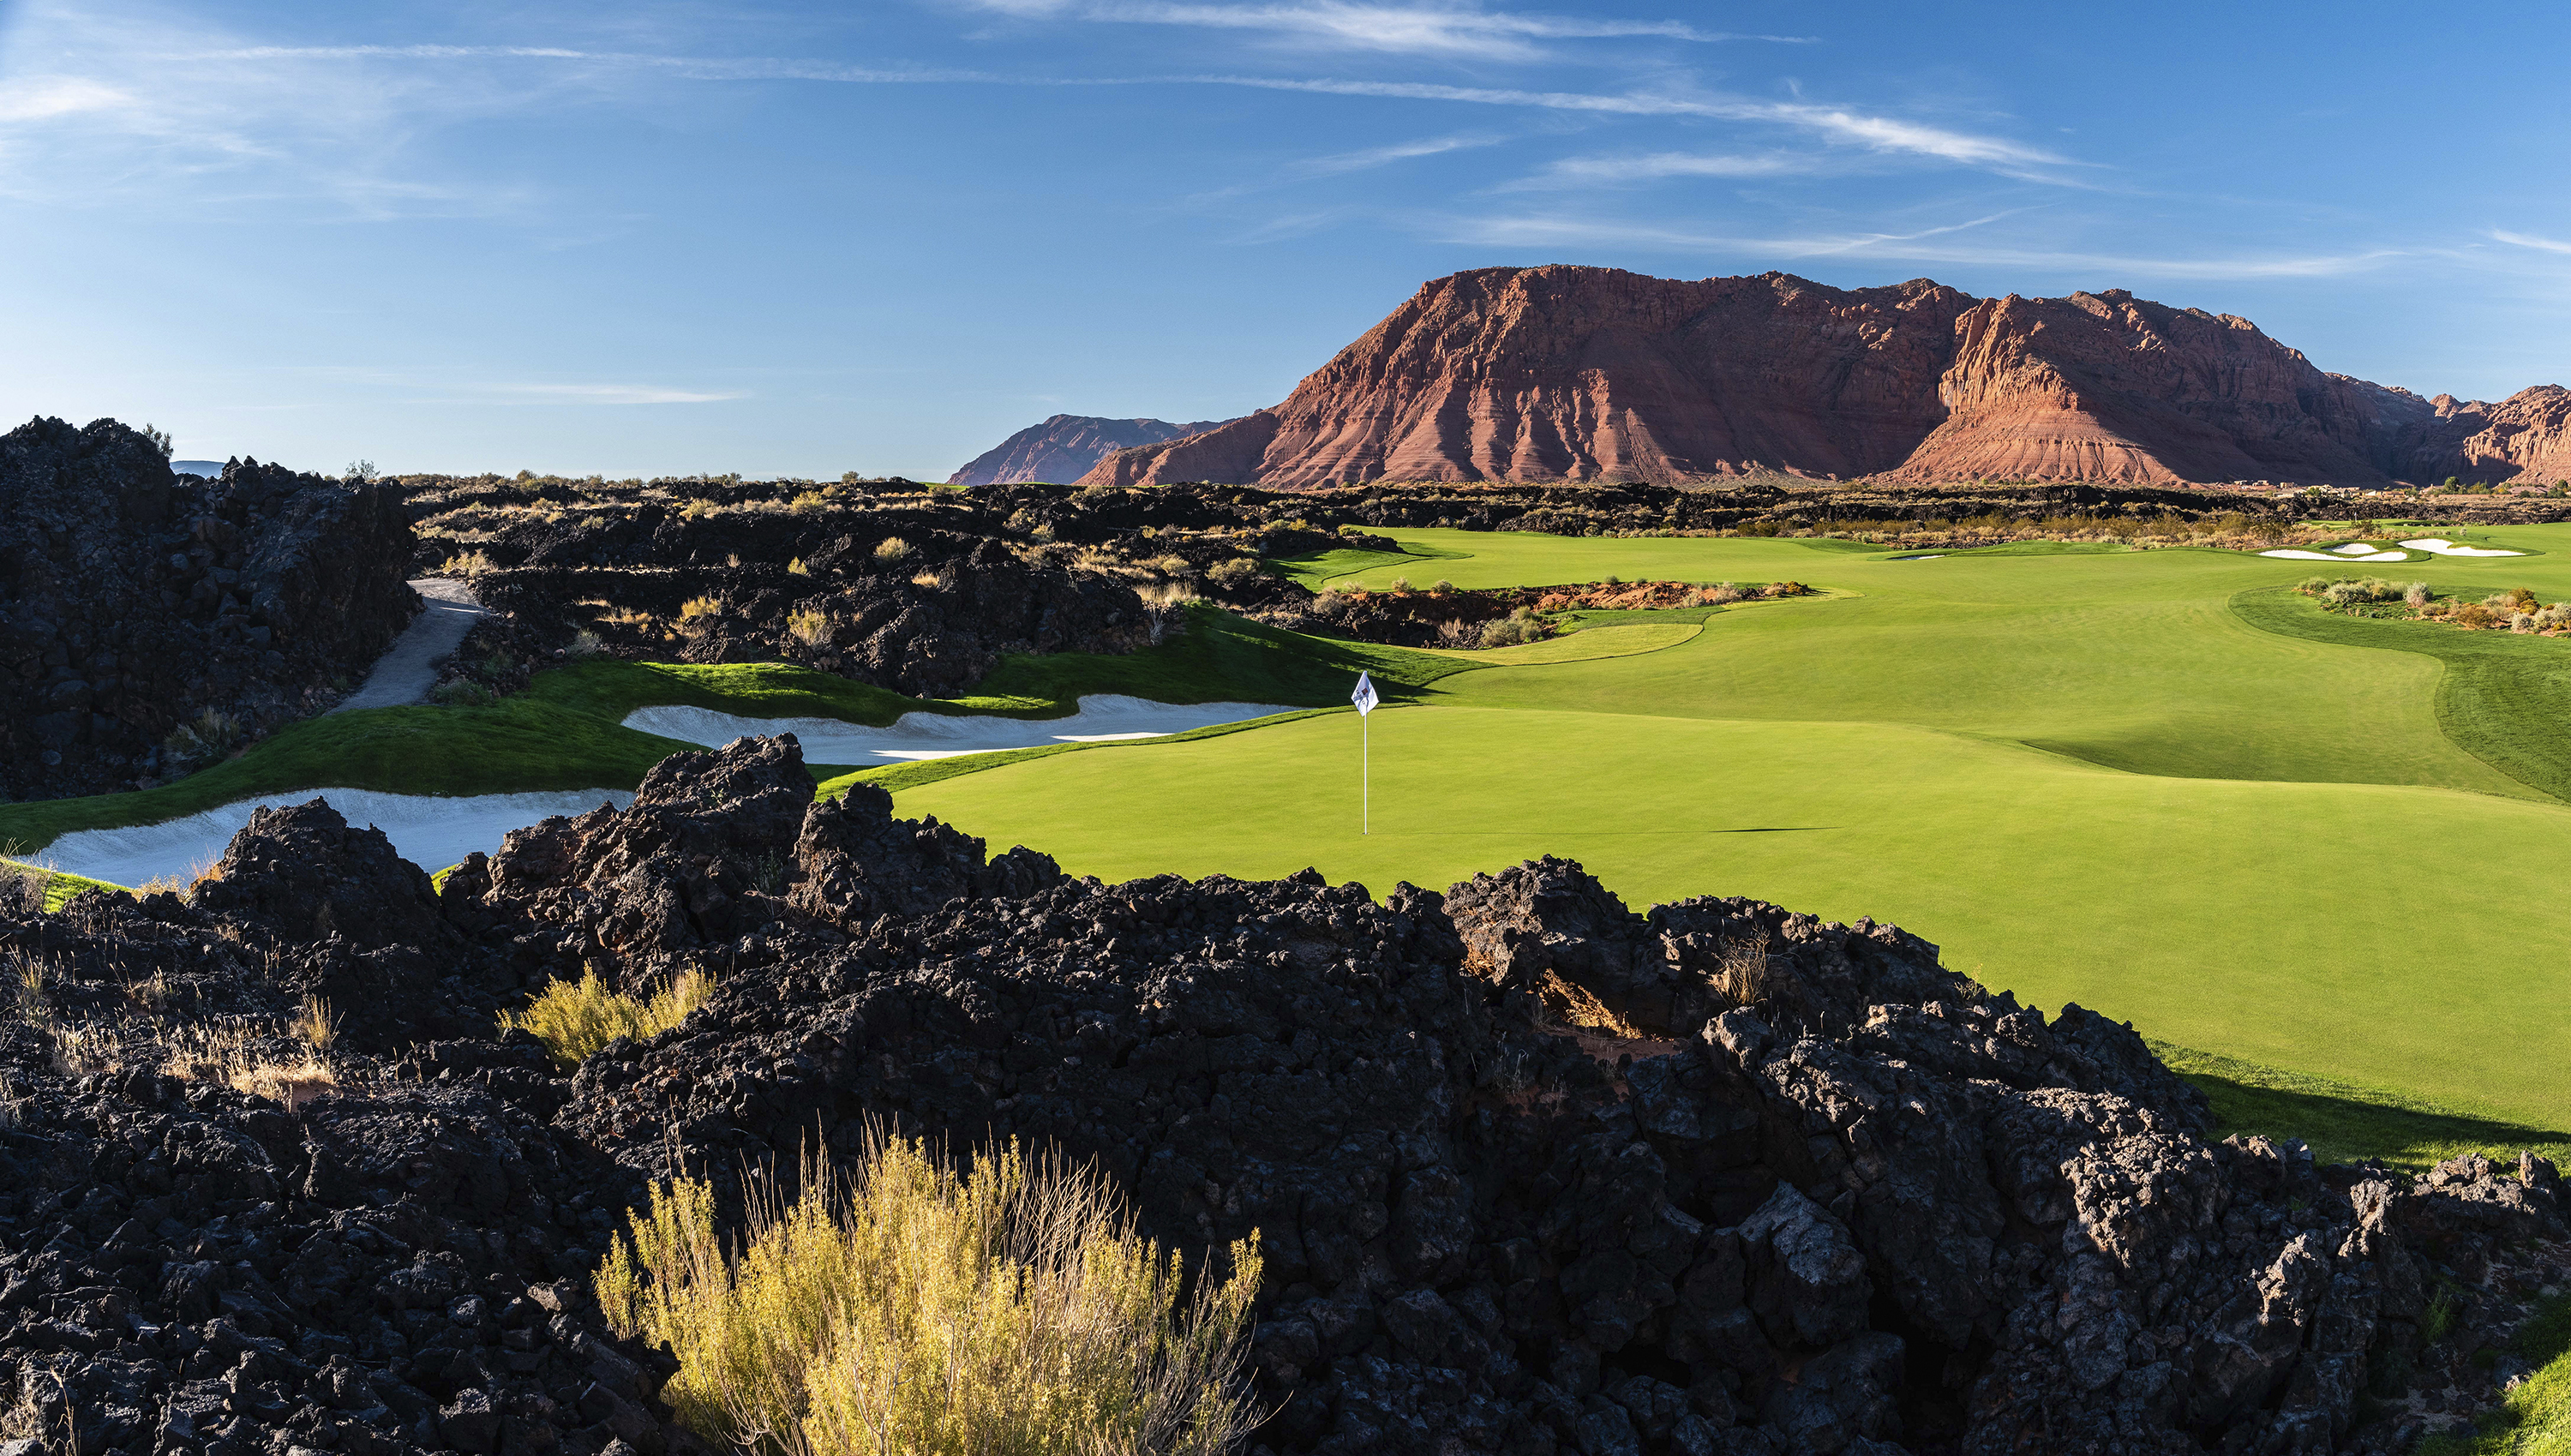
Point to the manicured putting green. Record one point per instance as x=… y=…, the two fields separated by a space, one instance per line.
x=2085 y=775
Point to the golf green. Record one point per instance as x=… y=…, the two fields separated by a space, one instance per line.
x=2087 y=775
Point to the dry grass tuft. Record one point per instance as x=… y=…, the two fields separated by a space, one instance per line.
x=810 y=626
x=576 y=1018
x=1012 y=1311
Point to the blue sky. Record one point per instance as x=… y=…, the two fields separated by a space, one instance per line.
x=663 y=237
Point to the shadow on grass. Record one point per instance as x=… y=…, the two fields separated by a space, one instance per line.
x=2342 y=1124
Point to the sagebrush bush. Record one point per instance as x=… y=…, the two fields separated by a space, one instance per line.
x=1520 y=626
x=892 y=548
x=1233 y=571
x=1012 y=1311
x=808 y=627
x=576 y=1018
x=2415 y=593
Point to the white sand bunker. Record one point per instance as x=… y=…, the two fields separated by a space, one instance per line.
x=428 y=831
x=2449 y=548
x=2301 y=555
x=2339 y=555
x=2355 y=548
x=1102 y=718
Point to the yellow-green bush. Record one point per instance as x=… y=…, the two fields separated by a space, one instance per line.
x=576 y=1018
x=1009 y=1311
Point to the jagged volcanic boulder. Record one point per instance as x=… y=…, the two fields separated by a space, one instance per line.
x=132 y=599
x=1515 y=1196
x=1861 y=1205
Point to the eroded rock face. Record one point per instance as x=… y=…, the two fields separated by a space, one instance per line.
x=1532 y=1173
x=133 y=600
x=1596 y=375
x=1064 y=446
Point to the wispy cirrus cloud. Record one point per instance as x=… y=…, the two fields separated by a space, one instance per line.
x=1585 y=172
x=1460 y=31
x=1911 y=247
x=2529 y=239
x=1837 y=123
x=614 y=393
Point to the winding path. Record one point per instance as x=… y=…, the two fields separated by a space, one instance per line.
x=408 y=669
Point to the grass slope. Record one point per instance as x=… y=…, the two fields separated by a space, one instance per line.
x=2272 y=922
x=2503 y=698
x=2087 y=774
x=566 y=730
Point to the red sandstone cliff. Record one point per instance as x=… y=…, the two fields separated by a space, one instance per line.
x=1064 y=446
x=1581 y=373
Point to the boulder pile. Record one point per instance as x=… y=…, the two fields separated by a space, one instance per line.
x=1533 y=1172
x=148 y=621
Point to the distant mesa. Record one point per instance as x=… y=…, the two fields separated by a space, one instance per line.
x=1065 y=447
x=1567 y=373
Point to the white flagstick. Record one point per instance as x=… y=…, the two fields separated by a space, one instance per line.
x=1364 y=698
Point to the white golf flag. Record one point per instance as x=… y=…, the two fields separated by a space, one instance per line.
x=1363 y=698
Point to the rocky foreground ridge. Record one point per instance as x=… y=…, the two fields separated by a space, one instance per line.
x=133 y=602
x=1584 y=374
x=1533 y=1172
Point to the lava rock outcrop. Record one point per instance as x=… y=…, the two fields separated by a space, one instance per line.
x=132 y=601
x=1533 y=1172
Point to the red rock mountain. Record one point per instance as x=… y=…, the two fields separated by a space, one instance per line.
x=1583 y=373
x=1064 y=447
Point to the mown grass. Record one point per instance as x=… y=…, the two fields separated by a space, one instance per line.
x=2503 y=697
x=520 y=745
x=2085 y=775
x=2344 y=1122
x=566 y=730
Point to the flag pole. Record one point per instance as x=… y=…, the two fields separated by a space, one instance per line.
x=1364 y=698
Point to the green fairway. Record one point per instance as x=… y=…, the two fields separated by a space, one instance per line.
x=2086 y=774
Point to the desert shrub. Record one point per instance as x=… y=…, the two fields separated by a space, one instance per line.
x=576 y=1018
x=700 y=612
x=2313 y=586
x=2415 y=593
x=1726 y=592
x=1521 y=626
x=467 y=563
x=1400 y=586
x=1451 y=633
x=1233 y=571
x=211 y=734
x=1443 y=587
x=797 y=568
x=1329 y=604
x=808 y=627
x=806 y=502
x=1011 y=1310
x=2475 y=615
x=934 y=581
x=698 y=509
x=892 y=549
x=584 y=644
x=2552 y=617
x=2360 y=589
